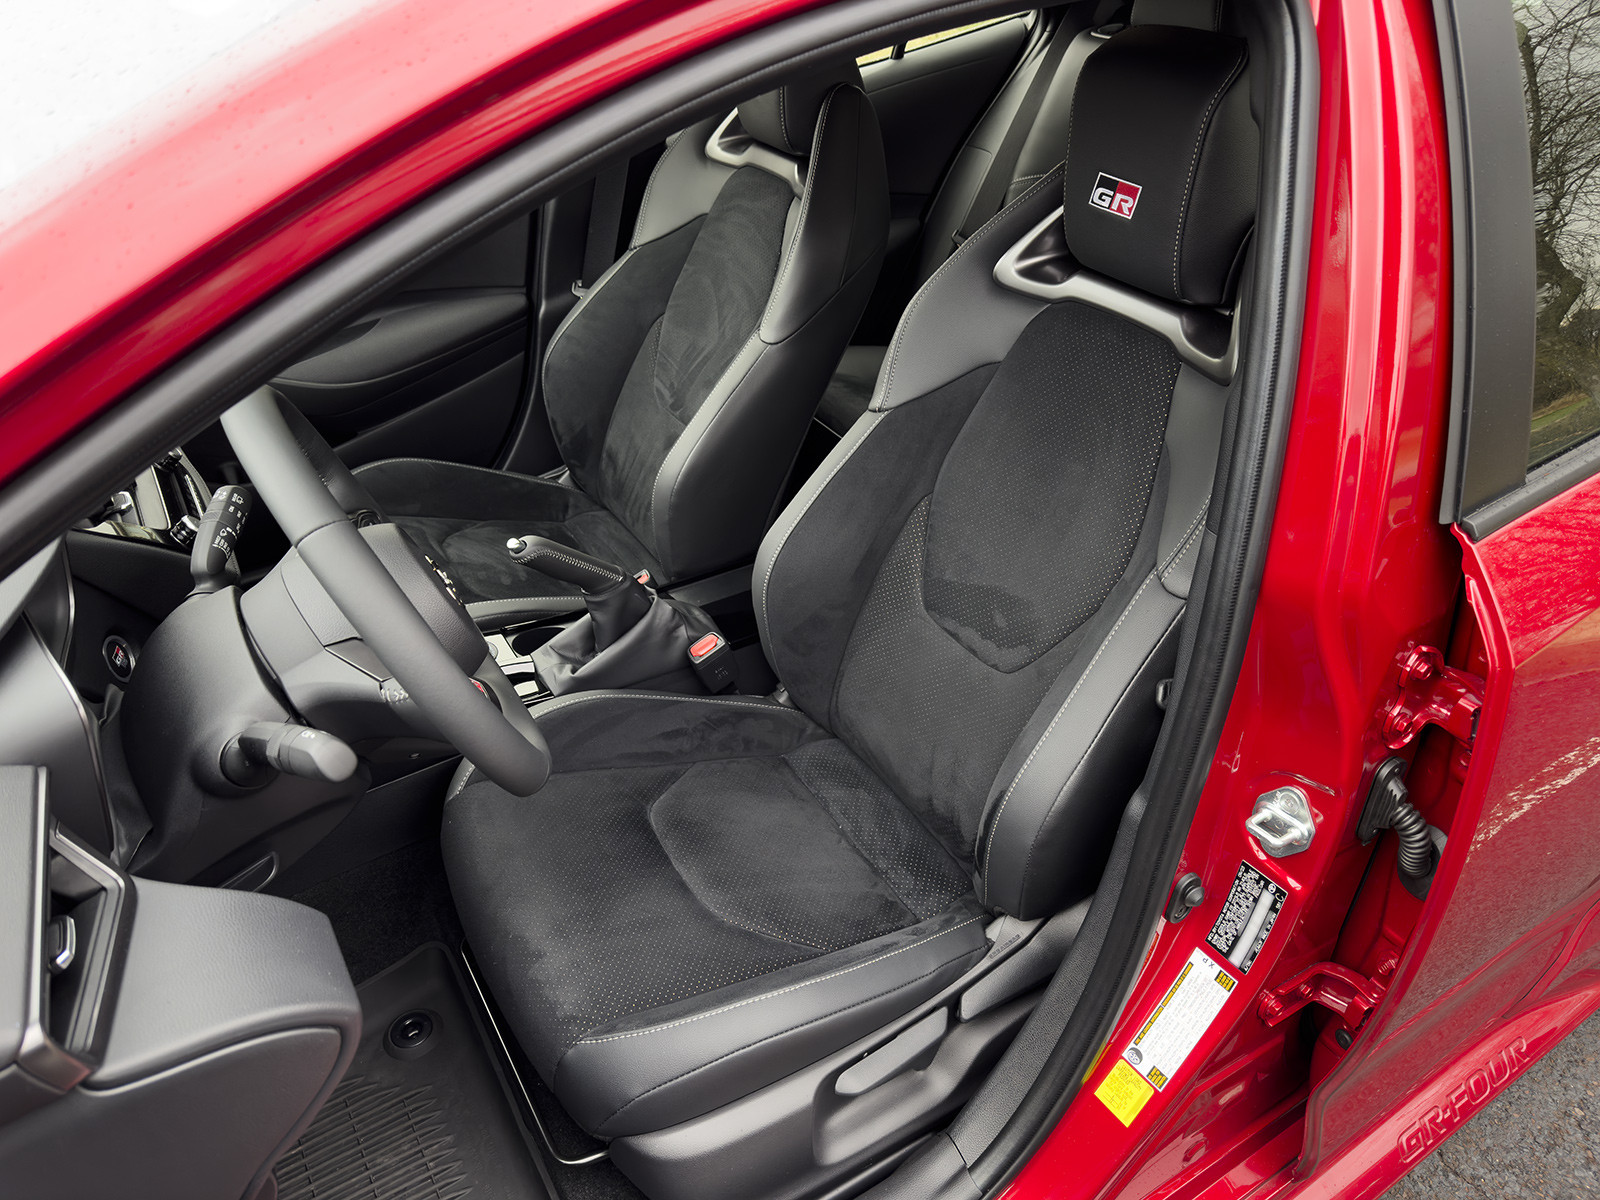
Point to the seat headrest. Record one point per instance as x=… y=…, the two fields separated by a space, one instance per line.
x=786 y=117
x=1195 y=14
x=1160 y=187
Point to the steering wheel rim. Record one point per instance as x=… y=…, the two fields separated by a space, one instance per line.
x=509 y=751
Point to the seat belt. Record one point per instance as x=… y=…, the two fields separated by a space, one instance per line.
x=987 y=200
x=605 y=221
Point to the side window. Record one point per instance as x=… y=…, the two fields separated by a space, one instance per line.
x=931 y=39
x=1559 y=41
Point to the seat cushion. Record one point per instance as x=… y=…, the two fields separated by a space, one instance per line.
x=463 y=517
x=709 y=894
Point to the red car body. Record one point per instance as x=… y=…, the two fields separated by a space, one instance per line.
x=205 y=213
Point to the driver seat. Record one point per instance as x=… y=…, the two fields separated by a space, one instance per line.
x=972 y=605
x=680 y=387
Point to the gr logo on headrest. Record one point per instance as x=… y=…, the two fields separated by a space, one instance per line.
x=1115 y=195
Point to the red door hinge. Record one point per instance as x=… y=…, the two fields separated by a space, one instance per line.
x=1428 y=692
x=1336 y=987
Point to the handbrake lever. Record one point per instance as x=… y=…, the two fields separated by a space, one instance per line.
x=615 y=599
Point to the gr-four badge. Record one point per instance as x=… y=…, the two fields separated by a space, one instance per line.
x=1116 y=196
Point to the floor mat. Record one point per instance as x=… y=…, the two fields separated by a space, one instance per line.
x=419 y=1119
x=386 y=908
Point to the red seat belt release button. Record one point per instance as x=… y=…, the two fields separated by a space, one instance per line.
x=713 y=662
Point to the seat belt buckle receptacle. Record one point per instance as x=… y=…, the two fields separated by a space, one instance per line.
x=712 y=660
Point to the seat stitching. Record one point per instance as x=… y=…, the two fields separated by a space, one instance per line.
x=566 y=702
x=569 y=701
x=994 y=825
x=777 y=1034
x=1188 y=539
x=987 y=229
x=865 y=427
x=1194 y=162
x=1159 y=571
x=698 y=899
x=616 y=1037
x=577 y=562
x=711 y=417
x=805 y=205
x=1027 y=862
x=845 y=833
x=439 y=462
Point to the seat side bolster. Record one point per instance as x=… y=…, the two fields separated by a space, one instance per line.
x=622 y=1081
x=743 y=438
x=683 y=185
x=1047 y=832
x=961 y=319
x=843 y=220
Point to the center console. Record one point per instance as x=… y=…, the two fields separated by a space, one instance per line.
x=156 y=1039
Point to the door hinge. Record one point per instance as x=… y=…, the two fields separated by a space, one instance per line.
x=1430 y=693
x=1334 y=987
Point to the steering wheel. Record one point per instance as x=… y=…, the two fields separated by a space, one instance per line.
x=309 y=490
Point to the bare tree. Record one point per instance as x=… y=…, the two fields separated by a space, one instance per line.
x=1560 y=45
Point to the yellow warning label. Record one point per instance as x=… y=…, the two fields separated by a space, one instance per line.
x=1124 y=1092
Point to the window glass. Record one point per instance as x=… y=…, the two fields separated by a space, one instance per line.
x=1559 y=41
x=933 y=39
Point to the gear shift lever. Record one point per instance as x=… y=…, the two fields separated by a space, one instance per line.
x=632 y=637
x=615 y=599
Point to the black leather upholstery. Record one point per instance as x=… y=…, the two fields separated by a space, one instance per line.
x=971 y=604
x=1042 y=151
x=786 y=117
x=680 y=387
x=1195 y=172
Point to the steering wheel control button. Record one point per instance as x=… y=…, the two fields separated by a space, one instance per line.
x=412 y=1035
x=119 y=656
x=444 y=578
x=712 y=662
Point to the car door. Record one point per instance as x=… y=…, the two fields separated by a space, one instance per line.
x=437 y=369
x=1504 y=956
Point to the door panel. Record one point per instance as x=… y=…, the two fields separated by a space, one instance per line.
x=1501 y=961
x=437 y=370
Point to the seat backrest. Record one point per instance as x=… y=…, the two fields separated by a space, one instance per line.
x=979 y=590
x=681 y=385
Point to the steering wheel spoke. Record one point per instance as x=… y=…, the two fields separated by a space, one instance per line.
x=393 y=599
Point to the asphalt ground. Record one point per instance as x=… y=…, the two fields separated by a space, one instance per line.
x=1538 y=1138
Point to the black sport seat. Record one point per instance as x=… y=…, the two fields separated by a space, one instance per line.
x=681 y=385
x=965 y=198
x=972 y=604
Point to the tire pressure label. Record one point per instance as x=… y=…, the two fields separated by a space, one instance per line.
x=1163 y=1042
x=1247 y=917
